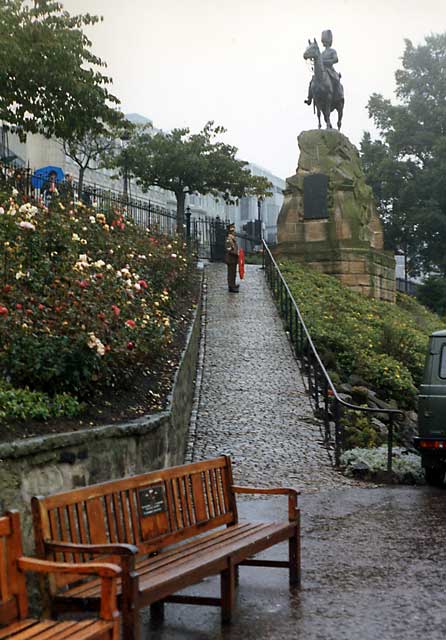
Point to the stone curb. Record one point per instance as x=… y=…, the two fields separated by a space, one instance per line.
x=192 y=434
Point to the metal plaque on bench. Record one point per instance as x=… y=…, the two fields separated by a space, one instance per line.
x=315 y=196
x=152 y=500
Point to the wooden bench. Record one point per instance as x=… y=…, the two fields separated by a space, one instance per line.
x=168 y=529
x=14 y=621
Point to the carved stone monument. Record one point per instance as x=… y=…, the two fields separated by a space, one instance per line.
x=329 y=220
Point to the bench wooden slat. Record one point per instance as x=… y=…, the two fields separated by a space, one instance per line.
x=80 y=510
x=36 y=629
x=63 y=628
x=190 y=506
x=208 y=494
x=74 y=535
x=198 y=498
x=176 y=503
x=96 y=521
x=117 y=517
x=16 y=627
x=134 y=517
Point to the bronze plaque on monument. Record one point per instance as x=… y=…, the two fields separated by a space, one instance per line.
x=315 y=196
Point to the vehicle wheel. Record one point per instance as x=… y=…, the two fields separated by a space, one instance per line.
x=434 y=476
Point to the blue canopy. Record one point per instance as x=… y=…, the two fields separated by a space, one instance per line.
x=41 y=175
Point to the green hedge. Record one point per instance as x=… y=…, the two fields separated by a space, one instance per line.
x=384 y=344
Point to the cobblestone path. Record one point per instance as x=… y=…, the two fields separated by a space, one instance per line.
x=253 y=403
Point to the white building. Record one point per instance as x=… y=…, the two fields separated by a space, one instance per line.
x=39 y=151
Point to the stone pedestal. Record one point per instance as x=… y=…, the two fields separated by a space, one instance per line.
x=328 y=219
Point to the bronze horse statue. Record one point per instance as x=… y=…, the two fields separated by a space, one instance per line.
x=326 y=96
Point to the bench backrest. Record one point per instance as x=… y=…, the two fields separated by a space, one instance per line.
x=13 y=597
x=151 y=510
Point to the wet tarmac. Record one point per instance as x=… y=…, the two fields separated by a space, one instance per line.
x=374 y=567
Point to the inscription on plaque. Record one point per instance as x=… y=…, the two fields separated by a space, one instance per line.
x=152 y=500
x=315 y=196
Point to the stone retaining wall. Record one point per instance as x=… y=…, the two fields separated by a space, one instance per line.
x=60 y=462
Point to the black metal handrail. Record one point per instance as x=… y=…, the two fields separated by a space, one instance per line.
x=321 y=388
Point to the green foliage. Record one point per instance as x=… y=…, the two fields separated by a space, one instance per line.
x=86 y=297
x=23 y=404
x=382 y=343
x=49 y=79
x=359 y=431
x=432 y=293
x=187 y=163
x=406 y=169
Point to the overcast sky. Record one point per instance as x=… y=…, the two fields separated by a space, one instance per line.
x=240 y=62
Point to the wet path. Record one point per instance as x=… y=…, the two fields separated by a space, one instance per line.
x=373 y=558
x=253 y=404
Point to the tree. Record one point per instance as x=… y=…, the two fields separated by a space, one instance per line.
x=92 y=149
x=414 y=144
x=49 y=79
x=190 y=163
x=392 y=181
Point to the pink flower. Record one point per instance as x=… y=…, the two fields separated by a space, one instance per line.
x=143 y=284
x=27 y=225
x=130 y=346
x=3 y=311
x=130 y=323
x=116 y=310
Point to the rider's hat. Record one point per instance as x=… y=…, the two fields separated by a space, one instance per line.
x=327 y=37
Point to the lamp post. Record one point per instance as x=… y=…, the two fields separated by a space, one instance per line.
x=259 y=216
x=125 y=137
x=188 y=223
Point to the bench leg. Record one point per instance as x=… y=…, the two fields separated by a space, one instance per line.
x=237 y=575
x=294 y=556
x=157 y=611
x=131 y=627
x=227 y=581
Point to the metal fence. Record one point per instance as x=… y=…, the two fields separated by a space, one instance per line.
x=206 y=235
x=329 y=406
x=406 y=286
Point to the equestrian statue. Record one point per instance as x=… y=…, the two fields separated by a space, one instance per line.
x=325 y=90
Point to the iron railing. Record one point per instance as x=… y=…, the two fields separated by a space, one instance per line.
x=329 y=406
x=205 y=235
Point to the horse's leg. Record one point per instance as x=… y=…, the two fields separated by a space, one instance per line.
x=327 y=117
x=318 y=117
x=340 y=112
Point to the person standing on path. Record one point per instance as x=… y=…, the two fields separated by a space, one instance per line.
x=231 y=258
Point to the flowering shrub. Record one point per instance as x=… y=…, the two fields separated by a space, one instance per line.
x=85 y=296
x=384 y=344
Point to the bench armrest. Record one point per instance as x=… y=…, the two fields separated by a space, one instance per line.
x=102 y=569
x=292 y=494
x=266 y=490
x=115 y=549
x=107 y=572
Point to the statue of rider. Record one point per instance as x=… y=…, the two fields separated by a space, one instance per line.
x=329 y=58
